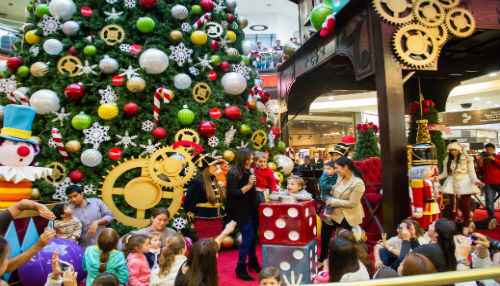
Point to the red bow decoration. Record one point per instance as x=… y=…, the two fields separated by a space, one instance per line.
x=426 y=106
x=366 y=127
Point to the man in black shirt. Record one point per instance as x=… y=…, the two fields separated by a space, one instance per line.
x=307 y=166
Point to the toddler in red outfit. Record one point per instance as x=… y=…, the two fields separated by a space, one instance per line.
x=265 y=177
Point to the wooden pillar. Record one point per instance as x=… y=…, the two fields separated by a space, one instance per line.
x=391 y=107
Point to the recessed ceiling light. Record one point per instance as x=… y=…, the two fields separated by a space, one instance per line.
x=477 y=98
x=335 y=123
x=488 y=102
x=497 y=105
x=258 y=28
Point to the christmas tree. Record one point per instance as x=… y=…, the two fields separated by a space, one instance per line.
x=366 y=142
x=126 y=91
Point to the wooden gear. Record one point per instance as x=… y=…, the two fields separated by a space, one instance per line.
x=58 y=173
x=201 y=92
x=168 y=171
x=187 y=134
x=396 y=12
x=415 y=46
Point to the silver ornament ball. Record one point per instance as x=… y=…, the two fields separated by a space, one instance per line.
x=154 y=61
x=91 y=157
x=44 y=101
x=243 y=22
x=285 y=163
x=70 y=28
x=248 y=46
x=63 y=9
x=179 y=12
x=234 y=83
x=182 y=81
x=231 y=5
x=108 y=65
x=52 y=47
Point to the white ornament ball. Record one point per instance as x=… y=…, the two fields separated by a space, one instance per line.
x=234 y=83
x=179 y=12
x=2 y=112
x=154 y=61
x=44 y=101
x=63 y=9
x=182 y=81
x=91 y=157
x=108 y=65
x=231 y=5
x=52 y=47
x=70 y=28
x=285 y=163
x=261 y=106
x=248 y=46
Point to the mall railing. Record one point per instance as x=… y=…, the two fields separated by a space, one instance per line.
x=442 y=278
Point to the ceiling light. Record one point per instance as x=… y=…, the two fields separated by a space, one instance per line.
x=488 y=102
x=475 y=88
x=258 y=28
x=477 y=98
x=330 y=97
x=335 y=123
x=497 y=105
x=493 y=74
x=344 y=103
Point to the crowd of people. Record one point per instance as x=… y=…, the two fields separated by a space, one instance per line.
x=267 y=58
x=158 y=255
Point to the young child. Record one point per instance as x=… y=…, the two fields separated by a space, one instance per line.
x=265 y=177
x=137 y=264
x=270 y=276
x=66 y=225
x=326 y=183
x=172 y=257
x=294 y=187
x=154 y=249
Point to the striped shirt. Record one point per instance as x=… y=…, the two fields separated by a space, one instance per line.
x=68 y=228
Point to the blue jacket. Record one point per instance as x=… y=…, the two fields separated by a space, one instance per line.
x=326 y=183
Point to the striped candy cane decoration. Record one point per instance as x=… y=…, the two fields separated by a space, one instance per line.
x=17 y=95
x=164 y=94
x=60 y=146
x=203 y=20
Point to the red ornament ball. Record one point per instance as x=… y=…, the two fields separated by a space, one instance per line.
x=148 y=3
x=159 y=133
x=14 y=63
x=275 y=130
x=215 y=113
x=135 y=49
x=263 y=119
x=232 y=112
x=76 y=176
x=207 y=128
x=118 y=80
x=224 y=66
x=131 y=108
x=115 y=153
x=73 y=51
x=86 y=11
x=207 y=5
x=265 y=96
x=74 y=91
x=214 y=45
x=212 y=75
x=230 y=18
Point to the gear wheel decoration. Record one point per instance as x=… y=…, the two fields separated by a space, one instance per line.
x=58 y=173
x=395 y=11
x=187 y=134
x=460 y=22
x=429 y=12
x=440 y=33
x=140 y=193
x=415 y=46
x=448 y=4
x=167 y=167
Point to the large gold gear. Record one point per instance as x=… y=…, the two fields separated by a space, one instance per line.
x=440 y=33
x=448 y=4
x=140 y=193
x=169 y=171
x=395 y=11
x=112 y=34
x=70 y=65
x=460 y=22
x=429 y=13
x=187 y=134
x=58 y=173
x=415 y=45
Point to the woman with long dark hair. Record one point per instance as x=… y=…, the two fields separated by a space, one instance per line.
x=343 y=262
x=346 y=202
x=361 y=253
x=242 y=207
x=461 y=182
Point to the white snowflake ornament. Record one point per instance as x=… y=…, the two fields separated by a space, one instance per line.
x=213 y=141
x=126 y=140
x=129 y=3
x=126 y=48
x=205 y=63
x=52 y=143
x=194 y=71
x=230 y=135
x=49 y=24
x=60 y=192
x=219 y=7
x=113 y=15
x=186 y=27
x=180 y=54
x=87 y=68
x=34 y=50
x=96 y=134
x=150 y=148
x=108 y=95
x=179 y=223
x=242 y=69
x=61 y=116
x=7 y=85
x=89 y=189
x=130 y=72
x=147 y=125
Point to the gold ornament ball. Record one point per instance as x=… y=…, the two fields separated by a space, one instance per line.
x=199 y=38
x=175 y=35
x=73 y=146
x=243 y=22
x=231 y=36
x=107 y=111
x=31 y=37
x=272 y=166
x=227 y=242
x=35 y=194
x=39 y=69
x=280 y=176
x=36 y=139
x=232 y=52
x=228 y=155
x=253 y=104
x=136 y=84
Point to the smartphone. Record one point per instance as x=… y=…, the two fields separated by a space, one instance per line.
x=50 y=225
x=472 y=239
x=63 y=265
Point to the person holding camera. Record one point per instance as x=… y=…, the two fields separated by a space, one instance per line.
x=489 y=169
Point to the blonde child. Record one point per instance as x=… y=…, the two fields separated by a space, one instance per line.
x=294 y=187
x=172 y=257
x=155 y=249
x=66 y=225
x=270 y=276
x=264 y=176
x=137 y=264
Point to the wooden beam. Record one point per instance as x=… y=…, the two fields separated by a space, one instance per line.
x=391 y=107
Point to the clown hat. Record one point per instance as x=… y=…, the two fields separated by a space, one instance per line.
x=17 y=122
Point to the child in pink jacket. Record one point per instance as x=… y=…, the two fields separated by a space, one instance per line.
x=137 y=264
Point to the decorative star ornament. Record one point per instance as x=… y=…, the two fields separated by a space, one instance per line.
x=87 y=68
x=60 y=116
x=205 y=63
x=126 y=140
x=113 y=15
x=130 y=72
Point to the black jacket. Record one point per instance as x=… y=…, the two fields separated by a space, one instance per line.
x=196 y=194
x=240 y=206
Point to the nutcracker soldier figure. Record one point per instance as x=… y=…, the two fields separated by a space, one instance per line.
x=425 y=190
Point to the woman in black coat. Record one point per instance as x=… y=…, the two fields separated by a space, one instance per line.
x=241 y=206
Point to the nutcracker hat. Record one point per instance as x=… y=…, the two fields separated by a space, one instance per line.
x=340 y=149
x=203 y=160
x=424 y=151
x=17 y=122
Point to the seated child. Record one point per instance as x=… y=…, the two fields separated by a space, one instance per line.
x=265 y=177
x=270 y=276
x=138 y=268
x=171 y=260
x=294 y=187
x=66 y=225
x=154 y=249
x=326 y=183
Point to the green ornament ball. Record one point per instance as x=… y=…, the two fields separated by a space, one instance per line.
x=185 y=116
x=29 y=6
x=42 y=9
x=246 y=60
x=145 y=24
x=23 y=71
x=319 y=14
x=245 y=129
x=281 y=146
x=81 y=121
x=196 y=9
x=90 y=50
x=216 y=60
